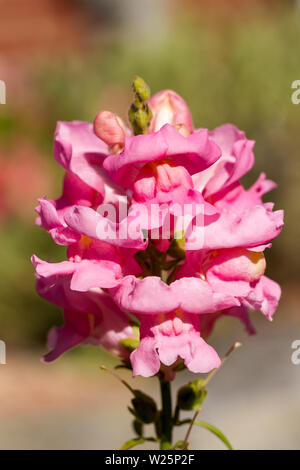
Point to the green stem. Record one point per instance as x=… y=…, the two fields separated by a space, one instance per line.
x=166 y=415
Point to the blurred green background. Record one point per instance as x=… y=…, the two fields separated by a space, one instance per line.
x=232 y=61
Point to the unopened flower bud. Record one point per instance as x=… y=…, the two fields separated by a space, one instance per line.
x=144 y=407
x=192 y=395
x=141 y=88
x=130 y=344
x=139 y=112
x=169 y=108
x=107 y=127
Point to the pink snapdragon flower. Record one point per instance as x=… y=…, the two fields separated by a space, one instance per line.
x=157 y=165
x=176 y=294
x=167 y=337
x=90 y=316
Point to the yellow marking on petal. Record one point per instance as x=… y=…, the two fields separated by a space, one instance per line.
x=91 y=320
x=85 y=241
x=257 y=258
x=161 y=317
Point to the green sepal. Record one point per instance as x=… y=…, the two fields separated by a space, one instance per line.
x=138 y=427
x=180 y=445
x=130 y=344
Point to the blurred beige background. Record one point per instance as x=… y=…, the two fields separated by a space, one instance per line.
x=233 y=62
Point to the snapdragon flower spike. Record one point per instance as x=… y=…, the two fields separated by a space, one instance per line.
x=178 y=289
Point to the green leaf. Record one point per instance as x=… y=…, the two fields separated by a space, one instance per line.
x=136 y=442
x=215 y=431
x=132 y=443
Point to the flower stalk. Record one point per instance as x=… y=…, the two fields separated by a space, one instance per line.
x=166 y=415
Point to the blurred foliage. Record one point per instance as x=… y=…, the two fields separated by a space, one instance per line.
x=235 y=70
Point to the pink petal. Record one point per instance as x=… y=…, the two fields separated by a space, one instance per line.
x=195 y=153
x=80 y=152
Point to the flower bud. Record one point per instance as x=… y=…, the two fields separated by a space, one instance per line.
x=141 y=88
x=169 y=108
x=107 y=127
x=139 y=113
x=144 y=407
x=237 y=264
x=192 y=395
x=130 y=344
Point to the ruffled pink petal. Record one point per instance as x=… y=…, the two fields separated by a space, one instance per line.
x=236 y=198
x=114 y=326
x=80 y=151
x=90 y=317
x=195 y=153
x=187 y=294
x=165 y=338
x=84 y=275
x=237 y=159
x=90 y=223
x=51 y=220
x=107 y=329
x=254 y=226
x=264 y=297
x=61 y=340
x=207 y=322
x=104 y=274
